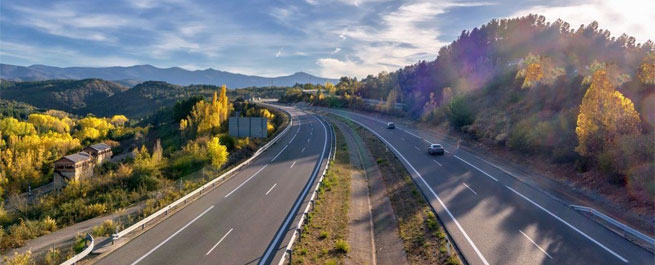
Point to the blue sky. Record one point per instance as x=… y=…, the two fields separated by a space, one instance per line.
x=271 y=38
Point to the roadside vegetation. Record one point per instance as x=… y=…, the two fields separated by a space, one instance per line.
x=177 y=150
x=424 y=238
x=580 y=111
x=324 y=238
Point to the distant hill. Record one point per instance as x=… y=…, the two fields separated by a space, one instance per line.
x=139 y=73
x=66 y=95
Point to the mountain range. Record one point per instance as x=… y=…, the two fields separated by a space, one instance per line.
x=132 y=75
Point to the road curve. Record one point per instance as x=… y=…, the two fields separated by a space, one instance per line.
x=238 y=222
x=492 y=217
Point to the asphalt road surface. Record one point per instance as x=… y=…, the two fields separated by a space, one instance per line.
x=245 y=219
x=495 y=219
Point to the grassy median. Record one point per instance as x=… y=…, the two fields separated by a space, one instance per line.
x=325 y=234
x=423 y=236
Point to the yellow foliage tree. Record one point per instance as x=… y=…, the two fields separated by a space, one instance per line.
x=535 y=69
x=93 y=128
x=118 y=120
x=205 y=117
x=217 y=152
x=11 y=126
x=44 y=123
x=604 y=115
x=647 y=69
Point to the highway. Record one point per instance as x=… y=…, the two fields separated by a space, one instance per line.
x=245 y=220
x=494 y=218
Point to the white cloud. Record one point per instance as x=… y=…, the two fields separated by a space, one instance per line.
x=403 y=37
x=633 y=17
x=59 y=56
x=278 y=53
x=336 y=50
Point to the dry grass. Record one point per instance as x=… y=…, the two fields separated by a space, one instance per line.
x=423 y=237
x=323 y=240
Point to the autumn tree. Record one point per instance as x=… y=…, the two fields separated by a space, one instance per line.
x=647 y=69
x=538 y=69
x=11 y=126
x=605 y=114
x=206 y=118
x=44 y=123
x=118 y=120
x=217 y=152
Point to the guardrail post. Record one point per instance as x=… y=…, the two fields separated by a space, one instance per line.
x=289 y=251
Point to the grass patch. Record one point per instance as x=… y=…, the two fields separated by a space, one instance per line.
x=423 y=237
x=323 y=240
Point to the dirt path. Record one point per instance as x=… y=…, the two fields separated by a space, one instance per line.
x=373 y=224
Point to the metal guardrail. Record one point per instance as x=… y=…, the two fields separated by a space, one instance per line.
x=82 y=254
x=312 y=200
x=615 y=223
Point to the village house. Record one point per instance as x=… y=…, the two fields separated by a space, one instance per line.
x=99 y=152
x=73 y=167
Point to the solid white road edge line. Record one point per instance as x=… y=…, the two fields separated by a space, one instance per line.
x=219 y=241
x=294 y=162
x=269 y=190
x=461 y=229
x=476 y=168
x=253 y=175
x=278 y=154
x=292 y=138
x=535 y=244
x=297 y=204
x=467 y=186
x=435 y=161
x=171 y=236
x=569 y=225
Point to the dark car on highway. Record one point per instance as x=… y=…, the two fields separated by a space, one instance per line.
x=436 y=149
x=390 y=125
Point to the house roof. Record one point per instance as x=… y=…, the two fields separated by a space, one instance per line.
x=100 y=147
x=77 y=157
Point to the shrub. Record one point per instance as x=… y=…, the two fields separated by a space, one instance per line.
x=228 y=141
x=105 y=229
x=460 y=113
x=48 y=224
x=53 y=257
x=341 y=246
x=20 y=259
x=323 y=235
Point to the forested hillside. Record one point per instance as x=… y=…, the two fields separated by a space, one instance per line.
x=574 y=96
x=66 y=95
x=105 y=98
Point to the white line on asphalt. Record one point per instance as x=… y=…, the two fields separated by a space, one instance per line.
x=446 y=151
x=308 y=139
x=219 y=241
x=294 y=162
x=171 y=236
x=235 y=189
x=297 y=204
x=467 y=186
x=278 y=154
x=269 y=190
x=476 y=168
x=569 y=225
x=303 y=150
x=294 y=137
x=461 y=229
x=535 y=244
x=435 y=161
x=426 y=141
x=412 y=134
x=403 y=138
x=417 y=148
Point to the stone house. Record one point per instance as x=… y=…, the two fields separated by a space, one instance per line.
x=99 y=152
x=73 y=167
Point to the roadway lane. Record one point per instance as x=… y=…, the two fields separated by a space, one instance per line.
x=495 y=219
x=236 y=222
